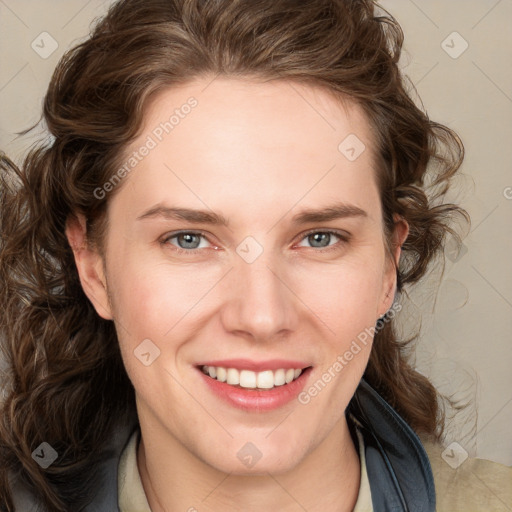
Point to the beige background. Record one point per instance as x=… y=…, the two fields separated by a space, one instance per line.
x=465 y=342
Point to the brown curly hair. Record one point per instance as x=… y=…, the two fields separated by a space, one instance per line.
x=64 y=371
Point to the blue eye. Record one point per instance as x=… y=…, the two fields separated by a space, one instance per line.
x=322 y=239
x=189 y=242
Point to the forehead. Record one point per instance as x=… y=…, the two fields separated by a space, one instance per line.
x=253 y=142
x=277 y=110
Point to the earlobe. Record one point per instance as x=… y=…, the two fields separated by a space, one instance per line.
x=400 y=233
x=387 y=301
x=89 y=265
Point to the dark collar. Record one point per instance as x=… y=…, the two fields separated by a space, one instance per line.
x=398 y=467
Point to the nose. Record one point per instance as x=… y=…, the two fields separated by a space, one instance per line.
x=260 y=304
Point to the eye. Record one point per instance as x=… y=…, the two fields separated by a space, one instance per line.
x=323 y=239
x=187 y=241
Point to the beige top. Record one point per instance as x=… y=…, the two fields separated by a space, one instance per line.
x=469 y=484
x=132 y=497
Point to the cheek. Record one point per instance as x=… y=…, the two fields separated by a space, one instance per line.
x=154 y=300
x=344 y=296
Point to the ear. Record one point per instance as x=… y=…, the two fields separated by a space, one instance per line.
x=89 y=264
x=400 y=233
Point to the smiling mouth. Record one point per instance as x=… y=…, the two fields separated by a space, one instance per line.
x=247 y=379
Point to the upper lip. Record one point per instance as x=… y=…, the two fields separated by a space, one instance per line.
x=257 y=366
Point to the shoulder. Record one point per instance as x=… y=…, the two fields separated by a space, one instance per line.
x=102 y=495
x=468 y=484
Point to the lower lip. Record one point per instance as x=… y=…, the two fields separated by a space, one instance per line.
x=254 y=399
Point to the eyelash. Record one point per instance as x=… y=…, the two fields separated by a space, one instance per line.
x=191 y=252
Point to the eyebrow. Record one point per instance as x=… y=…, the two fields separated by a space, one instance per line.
x=187 y=214
x=325 y=214
x=332 y=212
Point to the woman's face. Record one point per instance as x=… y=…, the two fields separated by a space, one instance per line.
x=270 y=289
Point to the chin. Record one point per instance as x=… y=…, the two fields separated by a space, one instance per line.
x=253 y=459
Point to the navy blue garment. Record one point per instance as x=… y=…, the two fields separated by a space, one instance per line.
x=398 y=467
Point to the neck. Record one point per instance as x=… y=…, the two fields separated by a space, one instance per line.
x=327 y=478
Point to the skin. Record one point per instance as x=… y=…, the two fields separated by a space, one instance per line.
x=257 y=153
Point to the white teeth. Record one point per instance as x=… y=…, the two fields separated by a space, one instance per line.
x=248 y=379
x=279 y=377
x=222 y=374
x=233 y=377
x=265 y=379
